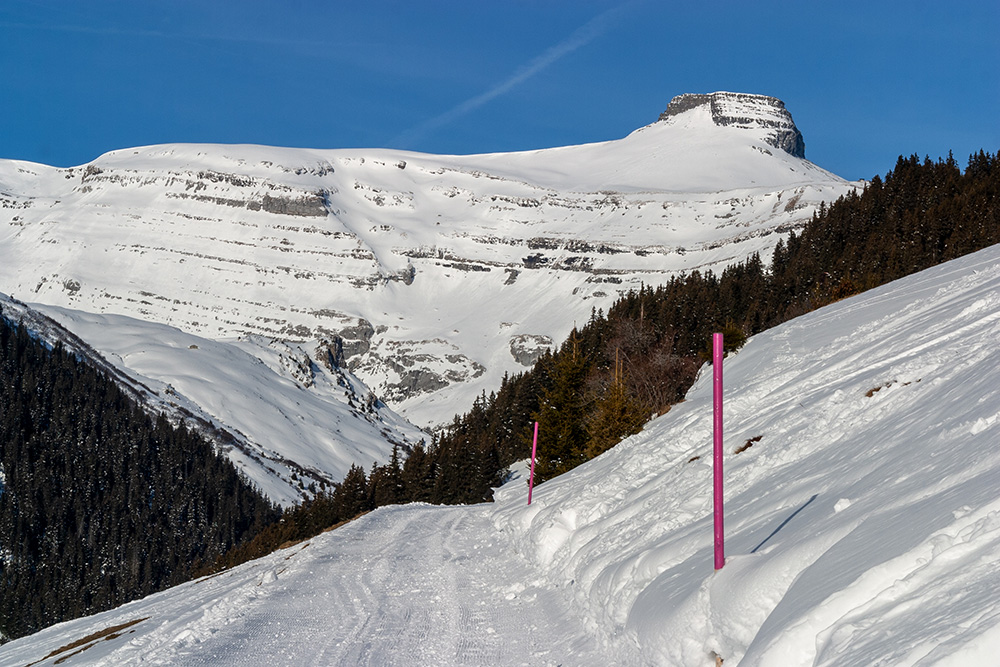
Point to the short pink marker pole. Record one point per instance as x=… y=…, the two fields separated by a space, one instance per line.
x=531 y=475
x=720 y=552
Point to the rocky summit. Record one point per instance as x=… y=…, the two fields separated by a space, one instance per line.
x=746 y=111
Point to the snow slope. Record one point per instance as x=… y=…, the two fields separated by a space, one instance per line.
x=414 y=585
x=287 y=417
x=863 y=528
x=438 y=273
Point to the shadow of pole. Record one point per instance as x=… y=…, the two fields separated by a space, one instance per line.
x=784 y=523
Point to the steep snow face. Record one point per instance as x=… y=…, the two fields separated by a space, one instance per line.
x=286 y=414
x=862 y=528
x=429 y=272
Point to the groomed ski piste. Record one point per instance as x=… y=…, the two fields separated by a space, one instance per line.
x=862 y=528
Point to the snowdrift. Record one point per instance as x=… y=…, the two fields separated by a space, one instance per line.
x=863 y=527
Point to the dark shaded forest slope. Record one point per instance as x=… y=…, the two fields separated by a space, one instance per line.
x=100 y=503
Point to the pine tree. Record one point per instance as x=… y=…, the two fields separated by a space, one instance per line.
x=351 y=496
x=385 y=483
x=561 y=412
x=101 y=503
x=616 y=415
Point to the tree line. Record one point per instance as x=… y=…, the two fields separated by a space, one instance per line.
x=99 y=502
x=635 y=361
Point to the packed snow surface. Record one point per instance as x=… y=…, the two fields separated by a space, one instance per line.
x=862 y=528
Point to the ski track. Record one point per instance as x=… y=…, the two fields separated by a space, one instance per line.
x=413 y=585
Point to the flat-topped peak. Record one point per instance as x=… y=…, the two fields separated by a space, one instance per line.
x=744 y=110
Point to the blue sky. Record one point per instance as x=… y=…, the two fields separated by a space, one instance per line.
x=865 y=81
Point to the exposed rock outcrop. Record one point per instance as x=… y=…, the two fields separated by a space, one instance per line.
x=747 y=111
x=528 y=348
x=424 y=275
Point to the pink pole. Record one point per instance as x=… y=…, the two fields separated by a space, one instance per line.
x=531 y=475
x=720 y=552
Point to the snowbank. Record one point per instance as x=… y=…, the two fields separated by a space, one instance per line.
x=862 y=528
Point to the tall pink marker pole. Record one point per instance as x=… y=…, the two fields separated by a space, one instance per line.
x=720 y=552
x=531 y=475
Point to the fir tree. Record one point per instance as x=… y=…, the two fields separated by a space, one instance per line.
x=616 y=415
x=561 y=412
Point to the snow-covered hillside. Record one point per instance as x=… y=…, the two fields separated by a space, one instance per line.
x=285 y=414
x=863 y=528
x=434 y=275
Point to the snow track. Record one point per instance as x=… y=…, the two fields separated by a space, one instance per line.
x=414 y=585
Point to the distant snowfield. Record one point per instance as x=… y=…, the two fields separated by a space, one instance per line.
x=223 y=276
x=862 y=528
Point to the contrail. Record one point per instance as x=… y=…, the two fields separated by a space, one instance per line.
x=86 y=30
x=108 y=31
x=580 y=37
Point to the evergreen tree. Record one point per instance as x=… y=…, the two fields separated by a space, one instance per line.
x=642 y=355
x=385 y=483
x=562 y=408
x=616 y=415
x=350 y=497
x=919 y=214
x=101 y=503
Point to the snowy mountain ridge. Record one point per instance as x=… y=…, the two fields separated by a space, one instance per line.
x=431 y=275
x=862 y=528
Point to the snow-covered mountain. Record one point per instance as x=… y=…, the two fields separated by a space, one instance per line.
x=428 y=276
x=862 y=528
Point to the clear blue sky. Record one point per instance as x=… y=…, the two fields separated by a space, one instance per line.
x=865 y=81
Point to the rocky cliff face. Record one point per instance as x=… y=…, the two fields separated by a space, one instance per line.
x=745 y=111
x=428 y=276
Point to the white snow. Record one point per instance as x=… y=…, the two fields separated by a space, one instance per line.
x=863 y=528
x=860 y=529
x=446 y=259
x=212 y=273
